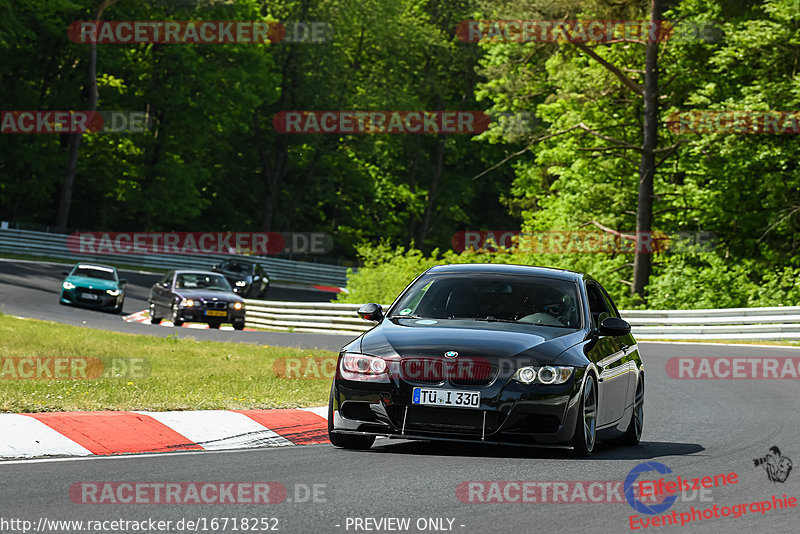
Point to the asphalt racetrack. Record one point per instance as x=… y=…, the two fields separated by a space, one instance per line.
x=697 y=428
x=31 y=289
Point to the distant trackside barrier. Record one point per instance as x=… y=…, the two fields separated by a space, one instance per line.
x=55 y=246
x=731 y=323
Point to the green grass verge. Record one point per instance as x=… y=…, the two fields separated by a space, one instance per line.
x=179 y=374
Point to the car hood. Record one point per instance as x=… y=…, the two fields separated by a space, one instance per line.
x=492 y=341
x=95 y=283
x=204 y=294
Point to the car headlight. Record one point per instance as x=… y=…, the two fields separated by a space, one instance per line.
x=241 y=283
x=188 y=303
x=238 y=305
x=68 y=285
x=362 y=364
x=547 y=375
x=113 y=292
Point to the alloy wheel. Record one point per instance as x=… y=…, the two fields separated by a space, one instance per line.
x=589 y=413
x=638 y=409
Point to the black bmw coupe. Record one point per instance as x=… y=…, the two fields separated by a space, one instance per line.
x=195 y=296
x=505 y=354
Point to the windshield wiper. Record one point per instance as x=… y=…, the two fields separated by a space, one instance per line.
x=491 y=319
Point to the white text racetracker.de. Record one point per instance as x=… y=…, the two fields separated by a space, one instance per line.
x=400 y=524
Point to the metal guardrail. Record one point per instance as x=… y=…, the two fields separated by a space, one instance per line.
x=728 y=323
x=781 y=322
x=55 y=245
x=311 y=317
x=731 y=323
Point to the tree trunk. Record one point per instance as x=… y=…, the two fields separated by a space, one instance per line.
x=642 y=264
x=425 y=226
x=65 y=202
x=273 y=174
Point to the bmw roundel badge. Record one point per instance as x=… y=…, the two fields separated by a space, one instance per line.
x=450 y=354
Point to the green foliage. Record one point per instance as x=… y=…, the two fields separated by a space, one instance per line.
x=691 y=280
x=212 y=159
x=385 y=273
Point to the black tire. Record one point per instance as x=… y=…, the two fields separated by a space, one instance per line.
x=238 y=326
x=346 y=441
x=585 y=435
x=633 y=434
x=154 y=319
x=214 y=325
x=176 y=321
x=118 y=309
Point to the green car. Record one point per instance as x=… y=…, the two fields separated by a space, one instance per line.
x=93 y=286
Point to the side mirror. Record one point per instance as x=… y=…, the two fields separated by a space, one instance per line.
x=614 y=326
x=371 y=312
x=123 y=281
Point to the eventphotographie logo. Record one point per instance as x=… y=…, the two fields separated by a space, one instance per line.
x=776 y=465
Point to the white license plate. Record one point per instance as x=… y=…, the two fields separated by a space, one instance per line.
x=89 y=296
x=446 y=397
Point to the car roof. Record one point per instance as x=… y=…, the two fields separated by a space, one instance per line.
x=184 y=271
x=506 y=268
x=98 y=266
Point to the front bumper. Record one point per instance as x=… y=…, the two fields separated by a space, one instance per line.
x=103 y=300
x=509 y=412
x=198 y=315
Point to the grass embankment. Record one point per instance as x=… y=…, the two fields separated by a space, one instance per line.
x=146 y=372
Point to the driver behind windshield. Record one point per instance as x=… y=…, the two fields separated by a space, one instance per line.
x=539 y=302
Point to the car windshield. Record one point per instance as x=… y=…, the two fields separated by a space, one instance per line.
x=240 y=268
x=503 y=298
x=101 y=273
x=208 y=281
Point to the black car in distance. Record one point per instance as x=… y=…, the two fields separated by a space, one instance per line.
x=247 y=277
x=504 y=354
x=195 y=296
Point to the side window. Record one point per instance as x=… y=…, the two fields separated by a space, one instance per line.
x=597 y=304
x=414 y=303
x=612 y=308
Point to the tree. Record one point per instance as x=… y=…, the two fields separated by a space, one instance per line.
x=65 y=202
